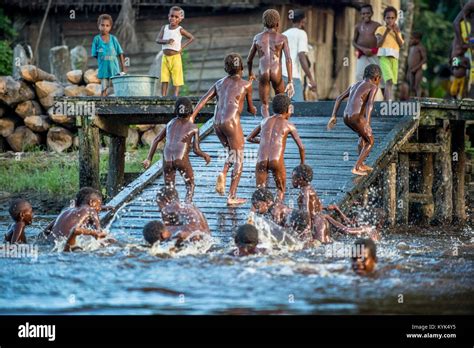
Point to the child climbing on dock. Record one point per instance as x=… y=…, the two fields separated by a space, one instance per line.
x=269 y=44
x=170 y=37
x=106 y=48
x=22 y=213
x=273 y=132
x=179 y=134
x=358 y=112
x=231 y=92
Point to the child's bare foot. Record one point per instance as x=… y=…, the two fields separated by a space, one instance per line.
x=236 y=201
x=220 y=184
x=366 y=168
x=358 y=172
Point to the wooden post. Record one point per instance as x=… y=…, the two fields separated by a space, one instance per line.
x=459 y=170
x=88 y=154
x=403 y=179
x=390 y=192
x=443 y=183
x=427 y=185
x=115 y=175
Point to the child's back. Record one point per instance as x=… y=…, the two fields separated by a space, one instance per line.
x=270 y=45
x=179 y=133
x=230 y=90
x=275 y=130
x=71 y=218
x=358 y=97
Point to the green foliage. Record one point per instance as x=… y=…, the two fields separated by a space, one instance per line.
x=7 y=34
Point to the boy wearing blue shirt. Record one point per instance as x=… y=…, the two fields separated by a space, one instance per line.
x=106 y=49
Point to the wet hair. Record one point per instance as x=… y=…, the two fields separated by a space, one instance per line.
x=372 y=71
x=229 y=63
x=303 y=171
x=17 y=206
x=86 y=194
x=153 y=230
x=390 y=9
x=367 y=244
x=106 y=17
x=183 y=107
x=281 y=103
x=168 y=193
x=270 y=18
x=298 y=16
x=367 y=6
x=299 y=220
x=417 y=35
x=262 y=194
x=247 y=235
x=178 y=9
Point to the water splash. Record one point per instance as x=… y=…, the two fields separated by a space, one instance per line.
x=188 y=246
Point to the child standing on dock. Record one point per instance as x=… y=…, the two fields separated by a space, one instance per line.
x=231 y=92
x=416 y=59
x=269 y=44
x=106 y=49
x=460 y=65
x=22 y=213
x=357 y=113
x=389 y=41
x=274 y=131
x=170 y=37
x=179 y=134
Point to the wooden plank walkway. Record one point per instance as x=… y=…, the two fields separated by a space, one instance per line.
x=330 y=154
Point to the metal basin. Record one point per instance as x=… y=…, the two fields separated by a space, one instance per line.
x=135 y=85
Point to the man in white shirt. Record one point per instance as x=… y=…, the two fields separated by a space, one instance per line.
x=298 y=43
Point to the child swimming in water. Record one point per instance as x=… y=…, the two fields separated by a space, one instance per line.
x=82 y=219
x=246 y=240
x=179 y=134
x=181 y=219
x=264 y=204
x=364 y=256
x=155 y=231
x=22 y=213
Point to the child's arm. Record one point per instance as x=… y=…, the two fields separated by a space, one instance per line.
x=250 y=57
x=370 y=103
x=159 y=38
x=161 y=135
x=122 y=63
x=187 y=35
x=299 y=143
x=290 y=89
x=17 y=232
x=250 y=107
x=334 y=207
x=252 y=137
x=48 y=229
x=197 y=149
x=381 y=38
x=422 y=59
x=332 y=121
x=211 y=93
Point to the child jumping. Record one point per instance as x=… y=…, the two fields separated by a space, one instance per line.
x=170 y=37
x=179 y=133
x=106 y=48
x=269 y=44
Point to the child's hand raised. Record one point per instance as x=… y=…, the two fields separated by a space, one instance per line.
x=146 y=164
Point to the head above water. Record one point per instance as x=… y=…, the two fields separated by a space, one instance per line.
x=299 y=221
x=373 y=73
x=364 y=256
x=233 y=63
x=271 y=19
x=366 y=12
x=21 y=210
x=183 y=107
x=281 y=104
x=105 y=23
x=155 y=231
x=166 y=195
x=262 y=200
x=89 y=196
x=246 y=239
x=302 y=175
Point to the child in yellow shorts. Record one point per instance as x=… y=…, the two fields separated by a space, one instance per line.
x=389 y=41
x=459 y=66
x=170 y=37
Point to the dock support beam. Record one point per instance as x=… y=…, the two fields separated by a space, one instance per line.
x=427 y=186
x=459 y=170
x=390 y=192
x=88 y=154
x=403 y=178
x=443 y=185
x=115 y=175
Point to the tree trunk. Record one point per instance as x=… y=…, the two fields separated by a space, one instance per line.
x=408 y=8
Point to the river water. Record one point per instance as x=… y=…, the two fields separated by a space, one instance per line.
x=424 y=272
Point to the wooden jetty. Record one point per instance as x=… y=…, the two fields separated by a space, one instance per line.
x=418 y=160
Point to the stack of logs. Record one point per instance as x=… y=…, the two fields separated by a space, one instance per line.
x=27 y=113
